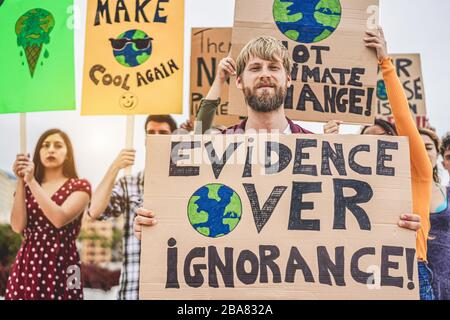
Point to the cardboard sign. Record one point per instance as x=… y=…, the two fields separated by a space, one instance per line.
x=334 y=74
x=133 y=57
x=409 y=70
x=37 y=56
x=278 y=217
x=208 y=47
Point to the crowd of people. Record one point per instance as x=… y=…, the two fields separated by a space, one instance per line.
x=50 y=198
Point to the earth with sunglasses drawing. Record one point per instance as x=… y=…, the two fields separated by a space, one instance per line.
x=132 y=48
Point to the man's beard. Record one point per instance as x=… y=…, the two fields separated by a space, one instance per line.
x=265 y=102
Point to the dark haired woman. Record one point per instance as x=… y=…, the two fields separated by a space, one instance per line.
x=439 y=237
x=48 y=207
x=380 y=128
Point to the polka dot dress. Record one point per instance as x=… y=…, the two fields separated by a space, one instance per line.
x=47 y=266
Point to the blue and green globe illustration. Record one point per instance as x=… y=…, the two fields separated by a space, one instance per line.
x=381 y=90
x=214 y=210
x=132 y=48
x=307 y=21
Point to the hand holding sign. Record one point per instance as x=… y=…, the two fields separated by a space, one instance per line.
x=226 y=68
x=20 y=164
x=187 y=125
x=124 y=159
x=376 y=40
x=410 y=221
x=332 y=127
x=27 y=172
x=144 y=218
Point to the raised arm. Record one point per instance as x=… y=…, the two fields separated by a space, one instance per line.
x=404 y=122
x=102 y=194
x=208 y=106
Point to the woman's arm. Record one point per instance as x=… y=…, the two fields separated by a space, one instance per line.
x=102 y=195
x=420 y=163
x=18 y=217
x=59 y=216
x=19 y=209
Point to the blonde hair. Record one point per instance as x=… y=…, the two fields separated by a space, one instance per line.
x=266 y=48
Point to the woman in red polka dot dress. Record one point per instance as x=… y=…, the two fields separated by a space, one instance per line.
x=48 y=206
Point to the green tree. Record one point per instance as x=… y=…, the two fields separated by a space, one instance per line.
x=9 y=245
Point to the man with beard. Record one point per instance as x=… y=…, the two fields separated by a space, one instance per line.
x=263 y=70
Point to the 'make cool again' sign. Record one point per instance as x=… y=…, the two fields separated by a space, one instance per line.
x=133 y=57
x=278 y=217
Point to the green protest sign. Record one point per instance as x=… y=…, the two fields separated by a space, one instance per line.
x=37 y=64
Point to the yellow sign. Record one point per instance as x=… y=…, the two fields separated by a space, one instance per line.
x=133 y=57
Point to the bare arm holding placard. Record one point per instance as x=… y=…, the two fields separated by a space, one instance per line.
x=102 y=194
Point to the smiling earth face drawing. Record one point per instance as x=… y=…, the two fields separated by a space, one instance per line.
x=128 y=101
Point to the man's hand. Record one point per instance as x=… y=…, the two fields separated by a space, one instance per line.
x=332 y=127
x=225 y=69
x=410 y=222
x=187 y=125
x=143 y=217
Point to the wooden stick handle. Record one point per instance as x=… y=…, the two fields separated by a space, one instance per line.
x=129 y=139
x=23 y=133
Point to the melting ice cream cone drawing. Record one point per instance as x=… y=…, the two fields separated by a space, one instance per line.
x=33 y=31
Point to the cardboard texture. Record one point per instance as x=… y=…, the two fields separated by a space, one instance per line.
x=334 y=73
x=409 y=70
x=133 y=58
x=37 y=56
x=317 y=219
x=208 y=47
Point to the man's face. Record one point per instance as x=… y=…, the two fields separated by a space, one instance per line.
x=158 y=128
x=446 y=162
x=264 y=84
